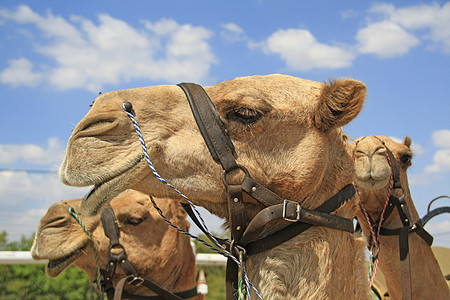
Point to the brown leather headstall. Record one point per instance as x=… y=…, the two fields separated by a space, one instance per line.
x=288 y=217
x=117 y=255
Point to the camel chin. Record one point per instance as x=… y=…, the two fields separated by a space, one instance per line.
x=56 y=266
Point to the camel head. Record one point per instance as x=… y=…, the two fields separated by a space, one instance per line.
x=373 y=172
x=153 y=248
x=286 y=132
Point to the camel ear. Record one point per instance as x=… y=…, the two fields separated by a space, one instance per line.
x=407 y=141
x=339 y=102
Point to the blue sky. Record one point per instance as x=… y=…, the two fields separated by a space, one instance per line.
x=56 y=56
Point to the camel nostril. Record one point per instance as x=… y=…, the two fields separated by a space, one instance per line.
x=56 y=222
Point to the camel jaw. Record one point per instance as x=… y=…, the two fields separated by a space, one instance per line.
x=55 y=266
x=110 y=186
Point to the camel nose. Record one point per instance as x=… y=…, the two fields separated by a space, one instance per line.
x=371 y=164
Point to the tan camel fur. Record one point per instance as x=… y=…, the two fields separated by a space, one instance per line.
x=372 y=176
x=157 y=251
x=287 y=133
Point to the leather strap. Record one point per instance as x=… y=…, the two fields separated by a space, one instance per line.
x=256 y=246
x=210 y=125
x=162 y=293
x=236 y=211
x=405 y=267
x=260 y=193
x=433 y=213
x=416 y=228
x=289 y=212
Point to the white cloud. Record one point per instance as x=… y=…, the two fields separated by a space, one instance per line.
x=441 y=138
x=24 y=199
x=439 y=228
x=441 y=159
x=385 y=39
x=302 y=52
x=401 y=29
x=20 y=72
x=431 y=17
x=90 y=55
x=52 y=154
x=232 y=33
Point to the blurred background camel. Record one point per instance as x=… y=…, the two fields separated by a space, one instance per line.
x=157 y=251
x=372 y=178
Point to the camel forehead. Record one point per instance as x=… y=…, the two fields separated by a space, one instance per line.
x=132 y=202
x=61 y=207
x=129 y=198
x=371 y=142
x=277 y=89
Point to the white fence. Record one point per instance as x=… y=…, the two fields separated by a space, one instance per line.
x=24 y=258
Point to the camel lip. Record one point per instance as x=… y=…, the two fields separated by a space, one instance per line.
x=91 y=191
x=371 y=183
x=56 y=266
x=103 y=192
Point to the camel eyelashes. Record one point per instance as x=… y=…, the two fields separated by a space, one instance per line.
x=133 y=221
x=244 y=115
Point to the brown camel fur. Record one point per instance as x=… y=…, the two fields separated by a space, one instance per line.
x=287 y=133
x=157 y=251
x=372 y=177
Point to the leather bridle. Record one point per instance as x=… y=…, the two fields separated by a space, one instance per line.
x=403 y=232
x=118 y=256
x=287 y=218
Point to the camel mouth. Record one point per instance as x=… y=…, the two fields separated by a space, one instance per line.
x=56 y=266
x=372 y=183
x=102 y=192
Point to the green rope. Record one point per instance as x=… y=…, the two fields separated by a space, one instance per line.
x=74 y=214
x=371 y=267
x=242 y=291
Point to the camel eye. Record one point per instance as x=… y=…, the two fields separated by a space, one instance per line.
x=405 y=159
x=133 y=221
x=244 y=115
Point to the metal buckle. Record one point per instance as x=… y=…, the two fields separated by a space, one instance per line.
x=136 y=281
x=297 y=218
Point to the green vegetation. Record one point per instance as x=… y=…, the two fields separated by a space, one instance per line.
x=31 y=282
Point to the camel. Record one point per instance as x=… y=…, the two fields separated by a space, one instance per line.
x=372 y=178
x=286 y=131
x=157 y=252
